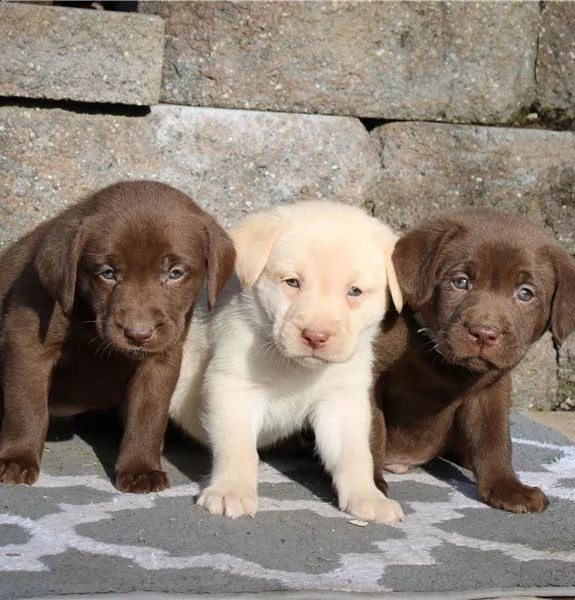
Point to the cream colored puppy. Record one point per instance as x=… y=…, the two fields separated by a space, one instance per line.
x=291 y=347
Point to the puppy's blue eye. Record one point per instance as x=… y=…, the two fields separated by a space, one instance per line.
x=354 y=291
x=292 y=282
x=109 y=274
x=175 y=274
x=461 y=283
x=524 y=294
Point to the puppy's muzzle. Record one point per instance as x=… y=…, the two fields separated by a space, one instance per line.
x=144 y=332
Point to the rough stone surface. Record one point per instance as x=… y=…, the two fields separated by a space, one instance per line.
x=390 y=60
x=535 y=379
x=556 y=57
x=229 y=161
x=428 y=167
x=81 y=55
x=566 y=375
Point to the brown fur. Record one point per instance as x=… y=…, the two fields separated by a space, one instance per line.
x=442 y=381
x=95 y=306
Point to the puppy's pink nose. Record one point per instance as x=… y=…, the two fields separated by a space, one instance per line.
x=139 y=333
x=485 y=335
x=315 y=338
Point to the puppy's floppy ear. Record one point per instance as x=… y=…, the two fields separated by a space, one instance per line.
x=562 y=322
x=254 y=237
x=57 y=258
x=417 y=258
x=389 y=242
x=220 y=256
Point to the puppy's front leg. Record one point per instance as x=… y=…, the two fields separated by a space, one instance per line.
x=342 y=428
x=483 y=424
x=231 y=424
x=26 y=376
x=138 y=469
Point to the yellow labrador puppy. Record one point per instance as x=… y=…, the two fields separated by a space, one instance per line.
x=291 y=347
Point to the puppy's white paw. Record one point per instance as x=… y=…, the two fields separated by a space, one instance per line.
x=230 y=501
x=374 y=507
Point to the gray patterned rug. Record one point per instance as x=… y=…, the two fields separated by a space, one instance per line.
x=73 y=533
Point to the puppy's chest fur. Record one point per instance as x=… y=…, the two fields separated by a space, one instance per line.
x=283 y=397
x=88 y=374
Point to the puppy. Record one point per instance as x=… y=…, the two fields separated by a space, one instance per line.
x=95 y=305
x=291 y=348
x=481 y=286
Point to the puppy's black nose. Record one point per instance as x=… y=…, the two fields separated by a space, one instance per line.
x=139 y=333
x=485 y=335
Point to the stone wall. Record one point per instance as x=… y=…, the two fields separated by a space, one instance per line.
x=404 y=108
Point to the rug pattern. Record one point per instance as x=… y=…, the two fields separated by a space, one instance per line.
x=73 y=533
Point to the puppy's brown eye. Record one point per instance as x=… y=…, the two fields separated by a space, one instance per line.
x=524 y=294
x=461 y=283
x=292 y=282
x=354 y=291
x=108 y=274
x=175 y=274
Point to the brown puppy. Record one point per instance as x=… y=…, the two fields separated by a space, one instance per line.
x=481 y=286
x=95 y=306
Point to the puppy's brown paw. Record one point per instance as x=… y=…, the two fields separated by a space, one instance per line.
x=516 y=497
x=16 y=471
x=143 y=482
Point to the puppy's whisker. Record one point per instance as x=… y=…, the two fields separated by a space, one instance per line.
x=266 y=349
x=92 y=338
x=284 y=358
x=104 y=349
x=431 y=346
x=437 y=349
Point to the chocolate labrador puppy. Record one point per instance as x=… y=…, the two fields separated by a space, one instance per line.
x=480 y=286
x=95 y=305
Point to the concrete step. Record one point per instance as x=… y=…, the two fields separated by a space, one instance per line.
x=448 y=61
x=81 y=55
x=436 y=166
x=229 y=161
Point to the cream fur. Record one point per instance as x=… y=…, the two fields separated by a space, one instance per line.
x=249 y=377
